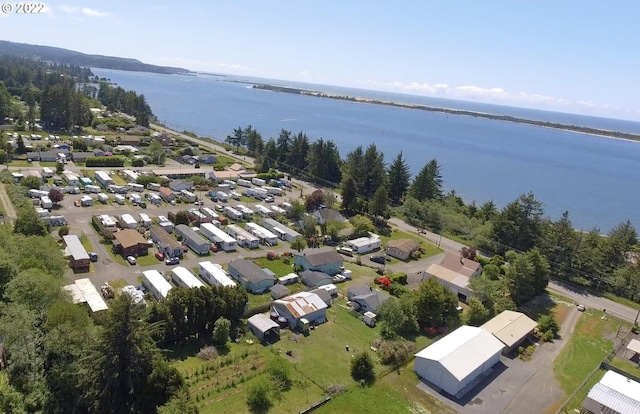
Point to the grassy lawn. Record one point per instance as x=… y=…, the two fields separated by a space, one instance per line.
x=587 y=347
x=223 y=160
x=622 y=301
x=118 y=180
x=626 y=365
x=576 y=401
x=429 y=248
x=276 y=266
x=117 y=285
x=86 y=243
x=20 y=163
x=258 y=300
x=457 y=238
x=148 y=260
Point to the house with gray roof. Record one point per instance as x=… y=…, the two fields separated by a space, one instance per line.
x=314 y=279
x=365 y=298
x=250 y=276
x=327 y=261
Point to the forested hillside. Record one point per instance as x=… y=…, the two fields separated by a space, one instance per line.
x=70 y=57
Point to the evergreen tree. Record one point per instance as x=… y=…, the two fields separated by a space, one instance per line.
x=427 y=185
x=399 y=177
x=349 y=196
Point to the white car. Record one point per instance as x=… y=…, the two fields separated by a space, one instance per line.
x=131 y=260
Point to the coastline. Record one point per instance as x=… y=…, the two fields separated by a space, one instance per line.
x=624 y=136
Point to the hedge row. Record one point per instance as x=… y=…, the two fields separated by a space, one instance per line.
x=113 y=161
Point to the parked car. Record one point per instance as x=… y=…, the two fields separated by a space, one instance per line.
x=132 y=260
x=185 y=248
x=269 y=199
x=345 y=250
x=378 y=259
x=339 y=279
x=214 y=248
x=159 y=256
x=172 y=261
x=142 y=204
x=199 y=203
x=93 y=256
x=219 y=207
x=214 y=199
x=141 y=288
x=581 y=308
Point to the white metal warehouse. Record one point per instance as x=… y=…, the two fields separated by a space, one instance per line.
x=455 y=361
x=614 y=393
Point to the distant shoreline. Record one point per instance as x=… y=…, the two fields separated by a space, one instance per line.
x=626 y=136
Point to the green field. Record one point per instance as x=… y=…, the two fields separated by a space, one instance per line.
x=590 y=343
x=276 y=266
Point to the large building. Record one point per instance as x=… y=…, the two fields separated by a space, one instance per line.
x=454 y=272
x=129 y=242
x=327 y=261
x=614 y=394
x=453 y=363
x=299 y=306
x=511 y=328
x=250 y=276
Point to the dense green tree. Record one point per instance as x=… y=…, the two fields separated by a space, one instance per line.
x=427 y=185
x=259 y=396
x=297 y=157
x=127 y=373
x=279 y=371
x=254 y=141
x=3 y=156
x=29 y=223
x=392 y=316
x=519 y=225
x=299 y=244
x=221 y=330
x=560 y=246
x=179 y=404
x=362 y=367
x=378 y=207
x=354 y=167
x=283 y=146
x=399 y=179
x=333 y=228
x=31 y=182
x=296 y=211
x=436 y=305
x=361 y=225
x=323 y=162
x=182 y=217
x=349 y=194
x=314 y=200
x=11 y=400
x=269 y=156
x=375 y=174
x=477 y=314
x=309 y=224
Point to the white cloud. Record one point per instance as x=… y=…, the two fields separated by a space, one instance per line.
x=69 y=9
x=94 y=13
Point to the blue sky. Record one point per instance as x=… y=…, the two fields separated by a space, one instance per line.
x=573 y=56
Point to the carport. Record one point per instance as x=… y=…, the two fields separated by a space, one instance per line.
x=634 y=347
x=263 y=327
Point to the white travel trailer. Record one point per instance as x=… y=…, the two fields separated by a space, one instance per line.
x=188 y=196
x=278 y=210
x=93 y=189
x=247 y=213
x=214 y=274
x=155 y=283
x=103 y=178
x=135 y=187
x=274 y=190
x=103 y=198
x=119 y=198
x=135 y=198
x=117 y=189
x=235 y=195
x=47 y=172
x=258 y=181
x=244 y=183
x=222 y=196
x=230 y=183
x=263 y=211
x=218 y=236
x=183 y=277
x=209 y=213
x=153 y=186
x=45 y=202
x=145 y=220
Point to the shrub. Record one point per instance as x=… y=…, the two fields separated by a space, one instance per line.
x=397 y=290
x=400 y=278
x=207 y=353
x=138 y=162
x=335 y=389
x=271 y=255
x=113 y=161
x=258 y=398
x=394 y=353
x=280 y=374
x=549 y=327
x=63 y=231
x=362 y=367
x=417 y=254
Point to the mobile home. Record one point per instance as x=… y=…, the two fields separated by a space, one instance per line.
x=218 y=236
x=153 y=186
x=230 y=183
x=86 y=201
x=197 y=216
x=117 y=189
x=145 y=220
x=222 y=196
x=103 y=178
x=93 y=189
x=283 y=232
x=243 y=237
x=247 y=213
x=155 y=283
x=244 y=183
x=265 y=236
x=130 y=176
x=363 y=245
x=263 y=211
x=47 y=172
x=135 y=198
x=45 y=202
x=258 y=181
x=188 y=196
x=192 y=239
x=183 y=277
x=209 y=213
x=214 y=274
x=103 y=198
x=235 y=195
x=278 y=210
x=119 y=198
x=128 y=222
x=167 y=244
x=273 y=190
x=232 y=213
x=71 y=178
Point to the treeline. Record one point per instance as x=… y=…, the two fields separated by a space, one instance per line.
x=117 y=99
x=51 y=93
x=60 y=360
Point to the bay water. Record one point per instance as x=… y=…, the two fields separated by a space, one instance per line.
x=595 y=178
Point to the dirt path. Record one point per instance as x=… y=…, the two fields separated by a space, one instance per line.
x=9 y=211
x=542 y=390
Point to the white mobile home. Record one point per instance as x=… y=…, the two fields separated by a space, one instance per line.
x=153 y=186
x=93 y=189
x=38 y=193
x=265 y=236
x=274 y=190
x=289 y=279
x=222 y=196
x=45 y=202
x=214 y=274
x=247 y=213
x=364 y=244
x=145 y=220
x=283 y=232
x=258 y=181
x=119 y=198
x=192 y=239
x=103 y=178
x=83 y=291
x=47 y=172
x=243 y=237
x=278 y=210
x=103 y=198
x=130 y=176
x=183 y=277
x=188 y=196
x=117 y=189
x=86 y=201
x=135 y=187
x=235 y=195
x=156 y=284
x=232 y=213
x=70 y=178
x=128 y=222
x=154 y=198
x=263 y=211
x=244 y=183
x=209 y=213
x=230 y=183
x=259 y=193
x=218 y=236
x=135 y=198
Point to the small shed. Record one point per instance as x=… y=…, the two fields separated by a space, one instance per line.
x=634 y=347
x=279 y=291
x=263 y=328
x=369 y=318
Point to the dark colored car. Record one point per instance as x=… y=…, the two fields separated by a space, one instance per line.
x=93 y=256
x=378 y=259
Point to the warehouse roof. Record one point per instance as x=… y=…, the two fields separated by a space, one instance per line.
x=616 y=392
x=463 y=350
x=510 y=327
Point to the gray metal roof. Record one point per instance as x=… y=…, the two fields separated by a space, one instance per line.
x=75 y=248
x=608 y=400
